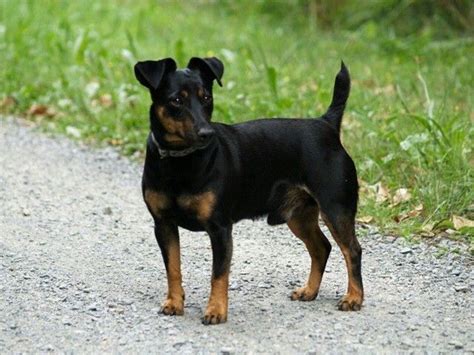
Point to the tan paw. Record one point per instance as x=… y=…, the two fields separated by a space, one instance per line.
x=303 y=294
x=215 y=314
x=350 y=303
x=172 y=307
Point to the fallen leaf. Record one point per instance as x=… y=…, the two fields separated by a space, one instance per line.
x=365 y=219
x=411 y=214
x=115 y=142
x=381 y=192
x=428 y=227
x=401 y=195
x=106 y=100
x=41 y=110
x=7 y=103
x=461 y=222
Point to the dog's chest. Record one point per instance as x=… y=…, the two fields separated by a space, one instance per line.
x=198 y=206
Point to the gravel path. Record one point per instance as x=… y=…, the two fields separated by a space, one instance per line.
x=80 y=271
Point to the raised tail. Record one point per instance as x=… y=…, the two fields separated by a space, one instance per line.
x=342 y=86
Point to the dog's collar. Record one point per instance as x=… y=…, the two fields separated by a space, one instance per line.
x=165 y=153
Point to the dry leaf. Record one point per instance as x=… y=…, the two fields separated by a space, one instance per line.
x=106 y=100
x=411 y=214
x=41 y=110
x=365 y=219
x=461 y=222
x=115 y=142
x=7 y=103
x=428 y=227
x=401 y=195
x=382 y=193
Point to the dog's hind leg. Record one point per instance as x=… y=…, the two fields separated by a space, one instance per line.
x=304 y=224
x=341 y=223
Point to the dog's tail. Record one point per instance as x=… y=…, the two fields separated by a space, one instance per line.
x=342 y=86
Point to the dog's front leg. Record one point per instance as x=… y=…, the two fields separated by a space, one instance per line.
x=221 y=241
x=168 y=239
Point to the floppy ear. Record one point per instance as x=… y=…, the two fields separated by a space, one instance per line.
x=212 y=67
x=150 y=72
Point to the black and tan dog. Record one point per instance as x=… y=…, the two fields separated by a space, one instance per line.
x=205 y=176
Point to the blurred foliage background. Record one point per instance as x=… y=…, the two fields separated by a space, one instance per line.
x=67 y=67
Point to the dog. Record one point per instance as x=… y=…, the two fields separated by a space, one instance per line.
x=205 y=176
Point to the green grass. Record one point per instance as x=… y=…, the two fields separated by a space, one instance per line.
x=409 y=121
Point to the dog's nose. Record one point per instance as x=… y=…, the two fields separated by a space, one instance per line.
x=205 y=134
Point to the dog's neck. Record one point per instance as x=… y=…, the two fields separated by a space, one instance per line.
x=166 y=153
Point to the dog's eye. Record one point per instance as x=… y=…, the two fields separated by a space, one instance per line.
x=176 y=101
x=207 y=98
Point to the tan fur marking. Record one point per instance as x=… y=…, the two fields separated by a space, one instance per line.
x=156 y=202
x=200 y=92
x=176 y=130
x=174 y=302
x=305 y=226
x=202 y=204
x=216 y=311
x=184 y=93
x=355 y=294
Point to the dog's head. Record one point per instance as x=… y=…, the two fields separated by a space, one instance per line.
x=181 y=99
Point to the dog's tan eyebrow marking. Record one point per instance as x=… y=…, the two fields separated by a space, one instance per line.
x=184 y=93
x=200 y=92
x=156 y=202
x=202 y=204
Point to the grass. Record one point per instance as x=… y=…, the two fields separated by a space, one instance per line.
x=409 y=121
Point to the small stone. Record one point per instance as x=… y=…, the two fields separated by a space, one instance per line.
x=26 y=212
x=461 y=288
x=226 y=350
x=92 y=307
x=125 y=302
x=264 y=285
x=456 y=272
x=457 y=344
x=107 y=211
x=405 y=251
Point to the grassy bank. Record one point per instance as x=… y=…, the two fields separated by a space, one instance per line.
x=409 y=122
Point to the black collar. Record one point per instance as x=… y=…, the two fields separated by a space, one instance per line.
x=165 y=153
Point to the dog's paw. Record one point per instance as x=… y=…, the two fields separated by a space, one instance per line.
x=303 y=294
x=350 y=303
x=214 y=315
x=172 y=307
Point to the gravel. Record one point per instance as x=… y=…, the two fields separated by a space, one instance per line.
x=80 y=271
